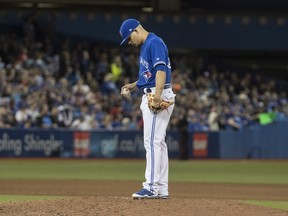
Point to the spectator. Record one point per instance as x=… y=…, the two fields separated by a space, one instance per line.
x=21 y=115
x=65 y=115
x=108 y=85
x=67 y=76
x=116 y=68
x=213 y=119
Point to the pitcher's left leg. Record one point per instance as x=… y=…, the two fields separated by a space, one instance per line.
x=164 y=171
x=152 y=141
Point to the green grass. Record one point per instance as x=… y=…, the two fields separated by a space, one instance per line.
x=209 y=171
x=13 y=198
x=271 y=204
x=258 y=172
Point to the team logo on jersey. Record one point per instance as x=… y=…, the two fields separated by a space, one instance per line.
x=146 y=74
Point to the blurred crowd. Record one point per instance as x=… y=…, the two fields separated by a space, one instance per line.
x=46 y=83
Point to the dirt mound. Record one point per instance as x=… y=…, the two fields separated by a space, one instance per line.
x=114 y=198
x=112 y=206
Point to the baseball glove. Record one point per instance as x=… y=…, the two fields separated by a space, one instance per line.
x=162 y=105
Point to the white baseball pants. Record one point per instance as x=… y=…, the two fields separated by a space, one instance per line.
x=155 y=125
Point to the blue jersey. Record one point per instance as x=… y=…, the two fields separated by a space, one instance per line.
x=153 y=52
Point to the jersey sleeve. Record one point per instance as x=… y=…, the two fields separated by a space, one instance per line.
x=158 y=53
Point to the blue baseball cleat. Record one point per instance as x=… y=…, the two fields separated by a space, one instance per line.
x=144 y=194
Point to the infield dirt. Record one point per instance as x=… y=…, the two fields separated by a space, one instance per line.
x=87 y=197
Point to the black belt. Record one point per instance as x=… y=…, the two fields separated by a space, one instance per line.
x=149 y=89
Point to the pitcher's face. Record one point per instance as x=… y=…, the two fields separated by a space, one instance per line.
x=135 y=39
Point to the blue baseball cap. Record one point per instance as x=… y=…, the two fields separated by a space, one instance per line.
x=127 y=28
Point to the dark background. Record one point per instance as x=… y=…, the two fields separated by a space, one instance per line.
x=268 y=56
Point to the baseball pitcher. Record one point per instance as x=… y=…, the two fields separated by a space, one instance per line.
x=157 y=104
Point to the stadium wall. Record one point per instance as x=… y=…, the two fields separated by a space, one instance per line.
x=265 y=142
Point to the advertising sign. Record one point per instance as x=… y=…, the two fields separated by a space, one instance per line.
x=35 y=143
x=125 y=144
x=200 y=145
x=83 y=144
